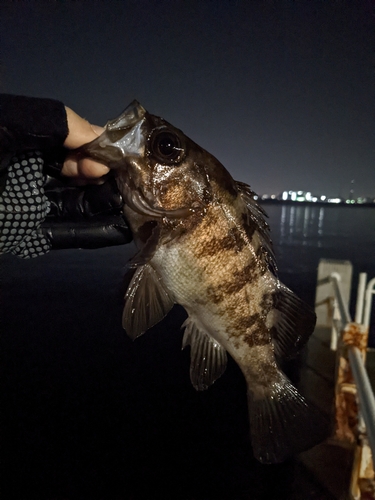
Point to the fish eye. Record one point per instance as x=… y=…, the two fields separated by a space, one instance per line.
x=166 y=146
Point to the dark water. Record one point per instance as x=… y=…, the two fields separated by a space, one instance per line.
x=88 y=414
x=303 y=234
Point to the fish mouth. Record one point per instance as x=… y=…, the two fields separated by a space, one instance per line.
x=122 y=138
x=128 y=118
x=125 y=138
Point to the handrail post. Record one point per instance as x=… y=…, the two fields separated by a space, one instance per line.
x=368 y=301
x=344 y=311
x=366 y=396
x=360 y=297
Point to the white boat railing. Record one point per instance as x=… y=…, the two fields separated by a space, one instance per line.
x=370 y=291
x=352 y=383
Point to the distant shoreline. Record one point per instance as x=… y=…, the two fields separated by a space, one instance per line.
x=270 y=201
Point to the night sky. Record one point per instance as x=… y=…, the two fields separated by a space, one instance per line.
x=281 y=92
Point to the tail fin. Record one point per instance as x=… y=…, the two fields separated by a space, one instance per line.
x=284 y=424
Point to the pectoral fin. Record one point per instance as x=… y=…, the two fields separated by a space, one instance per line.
x=292 y=322
x=146 y=301
x=208 y=359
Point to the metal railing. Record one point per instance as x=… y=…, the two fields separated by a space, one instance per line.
x=370 y=291
x=353 y=392
x=356 y=358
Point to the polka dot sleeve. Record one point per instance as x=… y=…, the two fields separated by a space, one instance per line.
x=23 y=207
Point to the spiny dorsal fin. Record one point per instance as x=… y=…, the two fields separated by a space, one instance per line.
x=293 y=322
x=256 y=216
x=146 y=301
x=208 y=359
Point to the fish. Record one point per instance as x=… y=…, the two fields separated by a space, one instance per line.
x=203 y=243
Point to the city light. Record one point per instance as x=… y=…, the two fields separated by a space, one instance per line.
x=308 y=197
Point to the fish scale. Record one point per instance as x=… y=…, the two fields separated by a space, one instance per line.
x=204 y=244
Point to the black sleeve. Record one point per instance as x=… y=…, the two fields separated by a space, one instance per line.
x=28 y=123
x=85 y=217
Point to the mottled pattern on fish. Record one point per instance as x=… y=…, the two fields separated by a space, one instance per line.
x=204 y=244
x=215 y=273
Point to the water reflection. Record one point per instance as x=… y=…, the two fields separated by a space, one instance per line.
x=314 y=232
x=320 y=224
x=301 y=223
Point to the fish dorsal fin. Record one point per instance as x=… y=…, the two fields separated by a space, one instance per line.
x=208 y=359
x=146 y=301
x=293 y=322
x=255 y=218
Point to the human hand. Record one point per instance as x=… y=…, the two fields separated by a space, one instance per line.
x=81 y=132
x=35 y=136
x=84 y=217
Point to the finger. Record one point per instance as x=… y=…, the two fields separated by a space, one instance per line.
x=97 y=129
x=83 y=167
x=70 y=167
x=91 y=169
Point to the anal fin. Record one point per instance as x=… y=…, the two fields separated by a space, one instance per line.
x=208 y=359
x=146 y=301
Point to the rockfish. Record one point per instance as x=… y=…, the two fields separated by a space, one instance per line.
x=204 y=244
